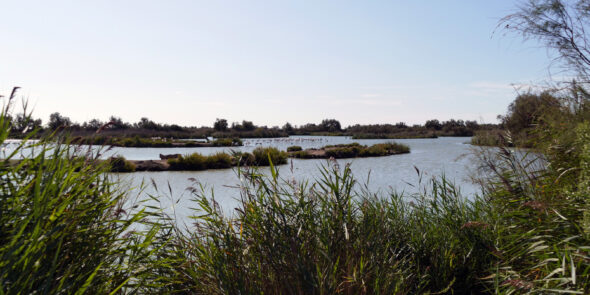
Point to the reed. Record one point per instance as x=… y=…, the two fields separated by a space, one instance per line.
x=64 y=227
x=327 y=237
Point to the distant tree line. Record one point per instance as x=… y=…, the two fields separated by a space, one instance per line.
x=221 y=128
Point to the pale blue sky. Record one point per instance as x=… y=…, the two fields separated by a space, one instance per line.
x=189 y=62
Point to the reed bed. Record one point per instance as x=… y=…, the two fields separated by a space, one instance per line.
x=64 y=227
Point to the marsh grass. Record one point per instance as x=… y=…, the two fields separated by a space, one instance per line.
x=294 y=148
x=325 y=237
x=63 y=225
x=259 y=157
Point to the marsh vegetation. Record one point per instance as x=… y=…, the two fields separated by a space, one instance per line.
x=65 y=227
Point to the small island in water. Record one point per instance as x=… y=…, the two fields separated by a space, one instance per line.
x=258 y=157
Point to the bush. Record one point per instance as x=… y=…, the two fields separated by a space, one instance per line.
x=261 y=156
x=302 y=155
x=489 y=138
x=356 y=150
x=219 y=161
x=195 y=162
x=120 y=164
x=243 y=159
x=294 y=148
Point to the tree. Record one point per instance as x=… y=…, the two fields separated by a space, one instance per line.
x=117 y=123
x=23 y=123
x=560 y=25
x=401 y=125
x=56 y=120
x=433 y=124
x=146 y=123
x=248 y=125
x=93 y=124
x=220 y=124
x=527 y=109
x=471 y=125
x=288 y=127
x=330 y=125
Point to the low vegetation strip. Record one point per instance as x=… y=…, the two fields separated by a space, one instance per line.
x=353 y=150
x=259 y=157
x=158 y=142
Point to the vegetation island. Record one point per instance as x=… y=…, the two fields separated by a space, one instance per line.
x=261 y=156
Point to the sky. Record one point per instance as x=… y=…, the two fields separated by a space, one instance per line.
x=270 y=62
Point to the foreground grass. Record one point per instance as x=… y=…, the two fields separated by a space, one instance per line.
x=324 y=238
x=64 y=227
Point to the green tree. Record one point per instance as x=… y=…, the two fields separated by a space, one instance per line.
x=330 y=125
x=93 y=124
x=220 y=124
x=527 y=109
x=287 y=127
x=248 y=125
x=117 y=123
x=23 y=123
x=433 y=124
x=56 y=120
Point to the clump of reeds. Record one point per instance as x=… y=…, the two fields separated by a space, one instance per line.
x=266 y=156
x=64 y=227
x=326 y=237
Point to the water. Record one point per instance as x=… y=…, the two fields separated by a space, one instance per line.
x=450 y=156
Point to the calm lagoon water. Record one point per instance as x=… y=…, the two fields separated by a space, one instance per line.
x=451 y=156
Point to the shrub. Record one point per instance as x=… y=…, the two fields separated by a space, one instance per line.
x=356 y=150
x=261 y=156
x=489 y=138
x=294 y=148
x=195 y=162
x=302 y=155
x=219 y=161
x=243 y=159
x=120 y=164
